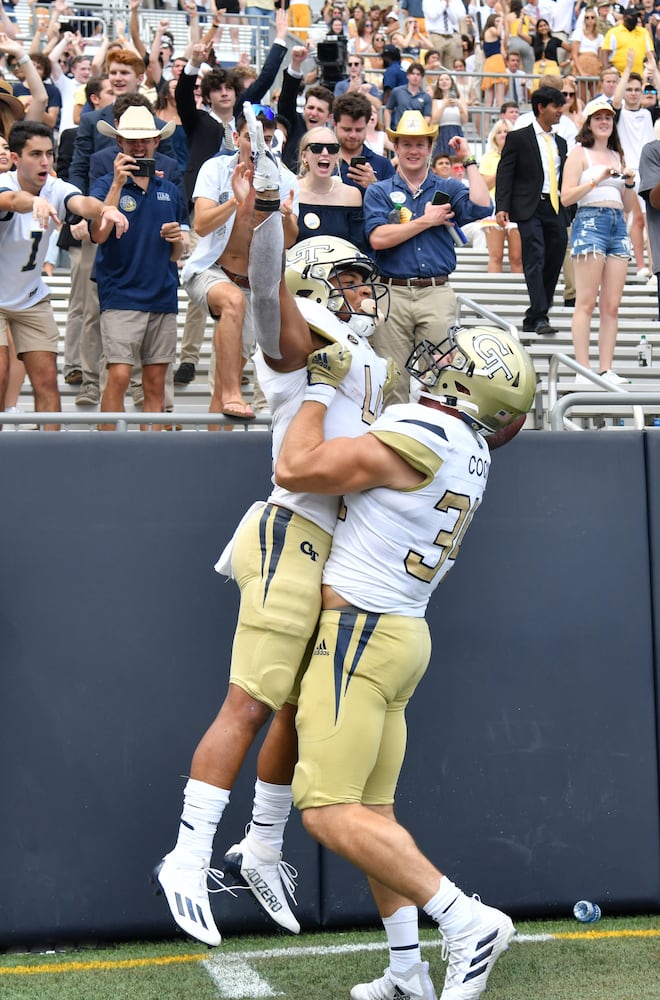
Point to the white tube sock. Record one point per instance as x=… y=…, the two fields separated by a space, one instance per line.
x=203 y=805
x=270 y=812
x=403 y=938
x=450 y=907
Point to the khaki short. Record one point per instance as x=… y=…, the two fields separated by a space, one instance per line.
x=351 y=721
x=130 y=336
x=277 y=561
x=198 y=288
x=33 y=329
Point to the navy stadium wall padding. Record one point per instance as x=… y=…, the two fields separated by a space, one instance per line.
x=531 y=774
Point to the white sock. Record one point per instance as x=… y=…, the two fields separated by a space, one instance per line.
x=450 y=908
x=403 y=938
x=203 y=805
x=270 y=812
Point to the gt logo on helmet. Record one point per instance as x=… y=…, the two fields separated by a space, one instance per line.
x=493 y=352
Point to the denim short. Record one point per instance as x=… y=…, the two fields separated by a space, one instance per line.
x=600 y=231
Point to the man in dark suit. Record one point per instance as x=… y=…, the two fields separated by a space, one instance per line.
x=527 y=190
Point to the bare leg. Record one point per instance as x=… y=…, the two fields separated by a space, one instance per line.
x=223 y=748
x=4 y=373
x=378 y=846
x=153 y=383
x=279 y=753
x=588 y=274
x=613 y=280
x=495 y=243
x=112 y=400
x=16 y=376
x=42 y=372
x=515 y=251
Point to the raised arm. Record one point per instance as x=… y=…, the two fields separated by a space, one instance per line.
x=33 y=81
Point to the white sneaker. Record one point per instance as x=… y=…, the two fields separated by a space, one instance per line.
x=584 y=382
x=412 y=985
x=187 y=894
x=611 y=376
x=643 y=273
x=473 y=953
x=262 y=870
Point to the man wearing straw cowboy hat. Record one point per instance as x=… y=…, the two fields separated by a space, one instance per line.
x=410 y=222
x=138 y=301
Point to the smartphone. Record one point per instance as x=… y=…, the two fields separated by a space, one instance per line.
x=440 y=198
x=146 y=167
x=358 y=161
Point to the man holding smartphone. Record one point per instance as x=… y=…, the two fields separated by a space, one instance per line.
x=359 y=165
x=138 y=282
x=411 y=235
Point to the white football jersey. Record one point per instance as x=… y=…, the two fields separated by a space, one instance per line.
x=24 y=244
x=355 y=407
x=391 y=548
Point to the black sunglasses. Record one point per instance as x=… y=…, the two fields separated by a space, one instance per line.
x=568 y=93
x=318 y=147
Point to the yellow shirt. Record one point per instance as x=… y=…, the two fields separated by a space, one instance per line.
x=618 y=40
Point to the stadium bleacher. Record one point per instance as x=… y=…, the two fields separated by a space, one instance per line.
x=504 y=294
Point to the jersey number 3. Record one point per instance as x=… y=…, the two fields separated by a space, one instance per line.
x=449 y=542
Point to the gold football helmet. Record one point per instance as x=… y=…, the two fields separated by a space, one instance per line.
x=482 y=372
x=313 y=271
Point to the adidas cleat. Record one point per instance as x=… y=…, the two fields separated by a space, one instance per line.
x=413 y=985
x=187 y=894
x=473 y=953
x=261 y=869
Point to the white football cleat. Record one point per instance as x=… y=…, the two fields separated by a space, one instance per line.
x=187 y=894
x=473 y=952
x=415 y=984
x=262 y=870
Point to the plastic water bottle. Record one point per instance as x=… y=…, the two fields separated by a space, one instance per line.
x=644 y=352
x=586 y=912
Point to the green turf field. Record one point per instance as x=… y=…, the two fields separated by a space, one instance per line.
x=616 y=959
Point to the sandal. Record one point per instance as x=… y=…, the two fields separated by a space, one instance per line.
x=237 y=409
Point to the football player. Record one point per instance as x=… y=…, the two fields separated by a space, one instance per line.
x=411 y=487
x=329 y=293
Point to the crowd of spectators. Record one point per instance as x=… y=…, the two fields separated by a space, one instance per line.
x=333 y=115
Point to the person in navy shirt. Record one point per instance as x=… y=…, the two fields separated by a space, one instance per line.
x=137 y=283
x=351 y=114
x=409 y=230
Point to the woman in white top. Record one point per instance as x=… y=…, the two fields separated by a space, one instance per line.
x=586 y=43
x=449 y=111
x=598 y=181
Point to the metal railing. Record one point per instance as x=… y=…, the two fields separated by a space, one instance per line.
x=476 y=307
x=122 y=421
x=611 y=395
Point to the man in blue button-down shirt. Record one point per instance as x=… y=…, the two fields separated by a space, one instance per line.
x=412 y=239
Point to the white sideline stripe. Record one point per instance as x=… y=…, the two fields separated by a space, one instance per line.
x=234 y=978
x=344 y=949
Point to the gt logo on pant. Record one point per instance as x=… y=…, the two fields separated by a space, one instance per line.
x=308 y=549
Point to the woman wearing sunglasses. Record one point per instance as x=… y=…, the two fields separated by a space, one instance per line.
x=328 y=207
x=573 y=108
x=586 y=43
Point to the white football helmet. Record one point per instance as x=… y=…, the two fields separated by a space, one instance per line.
x=311 y=266
x=484 y=373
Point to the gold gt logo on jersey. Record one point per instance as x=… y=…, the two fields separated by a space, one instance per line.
x=308 y=549
x=493 y=351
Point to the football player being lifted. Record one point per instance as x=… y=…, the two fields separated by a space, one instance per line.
x=411 y=486
x=328 y=294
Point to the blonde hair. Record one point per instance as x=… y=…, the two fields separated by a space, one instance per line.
x=491 y=146
x=310 y=137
